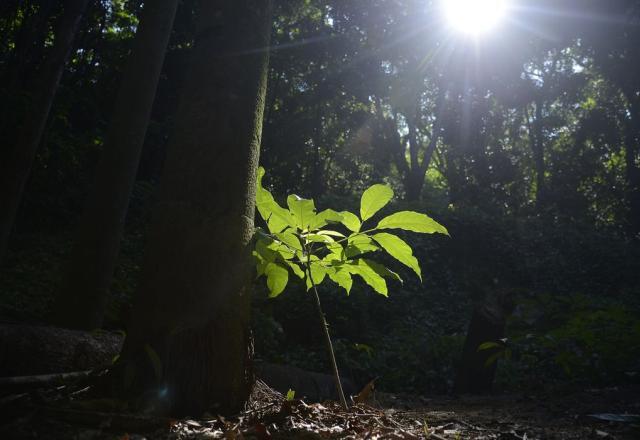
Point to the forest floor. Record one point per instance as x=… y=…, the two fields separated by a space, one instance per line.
x=610 y=413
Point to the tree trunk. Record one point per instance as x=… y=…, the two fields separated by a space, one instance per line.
x=83 y=293
x=22 y=140
x=414 y=179
x=189 y=336
x=487 y=324
x=537 y=146
x=632 y=155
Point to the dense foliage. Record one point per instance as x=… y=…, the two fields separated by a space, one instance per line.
x=525 y=144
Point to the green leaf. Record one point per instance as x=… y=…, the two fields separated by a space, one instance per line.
x=358 y=244
x=324 y=217
x=318 y=272
x=303 y=211
x=374 y=199
x=398 y=249
x=331 y=233
x=412 y=221
x=290 y=395
x=318 y=238
x=370 y=276
x=336 y=252
x=351 y=221
x=276 y=217
x=342 y=278
x=296 y=269
x=489 y=345
x=277 y=278
x=382 y=270
x=290 y=239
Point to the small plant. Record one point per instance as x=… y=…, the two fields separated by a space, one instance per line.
x=298 y=241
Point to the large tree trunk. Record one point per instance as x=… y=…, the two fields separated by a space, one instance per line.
x=83 y=293
x=191 y=312
x=21 y=141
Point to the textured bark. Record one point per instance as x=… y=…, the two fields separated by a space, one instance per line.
x=83 y=293
x=21 y=141
x=192 y=307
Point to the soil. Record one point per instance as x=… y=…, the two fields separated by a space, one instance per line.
x=65 y=412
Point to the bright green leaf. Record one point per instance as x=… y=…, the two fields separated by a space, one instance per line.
x=382 y=270
x=277 y=279
x=318 y=272
x=318 y=238
x=342 y=278
x=276 y=216
x=322 y=218
x=358 y=244
x=374 y=199
x=412 y=221
x=296 y=269
x=351 y=221
x=331 y=233
x=303 y=211
x=398 y=249
x=370 y=276
x=290 y=239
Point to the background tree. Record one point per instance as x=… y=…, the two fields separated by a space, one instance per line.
x=23 y=136
x=82 y=296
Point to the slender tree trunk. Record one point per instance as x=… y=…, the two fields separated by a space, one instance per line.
x=632 y=156
x=22 y=140
x=191 y=312
x=413 y=181
x=475 y=375
x=82 y=296
x=537 y=147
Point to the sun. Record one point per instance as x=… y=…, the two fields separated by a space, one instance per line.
x=474 y=16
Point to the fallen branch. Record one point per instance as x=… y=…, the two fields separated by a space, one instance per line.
x=11 y=385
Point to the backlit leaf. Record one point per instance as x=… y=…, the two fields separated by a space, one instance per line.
x=412 y=221
x=360 y=244
x=277 y=278
x=373 y=199
x=302 y=210
x=398 y=249
x=318 y=272
x=323 y=218
x=370 y=276
x=276 y=217
x=342 y=278
x=351 y=221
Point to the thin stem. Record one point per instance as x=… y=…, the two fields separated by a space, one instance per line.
x=327 y=337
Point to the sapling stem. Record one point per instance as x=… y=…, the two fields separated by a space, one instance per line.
x=327 y=337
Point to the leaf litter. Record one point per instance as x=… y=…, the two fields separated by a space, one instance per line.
x=51 y=414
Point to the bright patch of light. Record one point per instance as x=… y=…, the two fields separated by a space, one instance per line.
x=474 y=16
